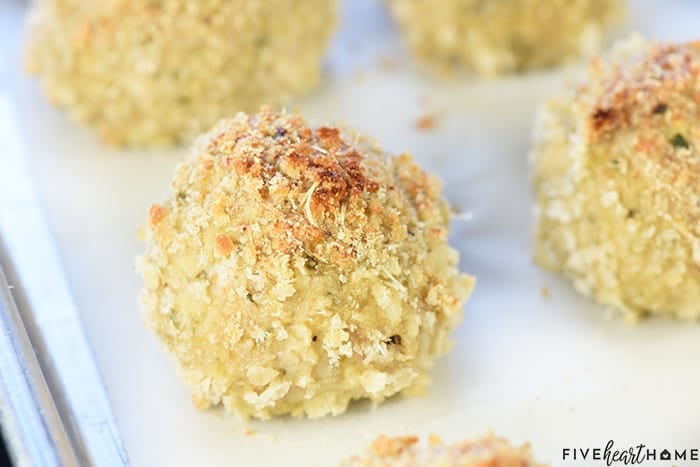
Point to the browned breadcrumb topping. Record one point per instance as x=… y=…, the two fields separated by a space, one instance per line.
x=642 y=91
x=487 y=451
x=617 y=176
x=296 y=268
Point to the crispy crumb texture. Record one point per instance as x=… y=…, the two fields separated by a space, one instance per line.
x=496 y=37
x=617 y=179
x=152 y=73
x=294 y=269
x=487 y=451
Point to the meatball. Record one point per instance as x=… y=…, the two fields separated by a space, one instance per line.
x=617 y=180
x=404 y=452
x=501 y=36
x=294 y=269
x=154 y=73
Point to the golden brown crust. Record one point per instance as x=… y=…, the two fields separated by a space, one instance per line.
x=295 y=268
x=317 y=170
x=642 y=91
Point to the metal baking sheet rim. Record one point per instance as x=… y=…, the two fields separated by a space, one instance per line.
x=54 y=409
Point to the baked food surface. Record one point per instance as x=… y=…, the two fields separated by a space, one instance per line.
x=295 y=269
x=153 y=73
x=487 y=451
x=617 y=180
x=497 y=36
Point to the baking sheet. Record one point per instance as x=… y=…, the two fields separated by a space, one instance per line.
x=558 y=372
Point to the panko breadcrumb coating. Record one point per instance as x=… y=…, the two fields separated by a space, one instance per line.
x=488 y=451
x=617 y=180
x=501 y=36
x=295 y=269
x=162 y=72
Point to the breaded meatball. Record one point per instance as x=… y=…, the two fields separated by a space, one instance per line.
x=155 y=72
x=404 y=452
x=617 y=180
x=294 y=269
x=501 y=36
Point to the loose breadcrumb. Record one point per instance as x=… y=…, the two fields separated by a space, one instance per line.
x=427 y=122
x=617 y=180
x=153 y=73
x=406 y=452
x=495 y=36
x=295 y=269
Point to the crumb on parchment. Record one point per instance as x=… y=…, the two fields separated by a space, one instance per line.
x=427 y=122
